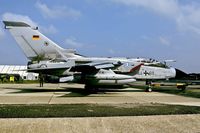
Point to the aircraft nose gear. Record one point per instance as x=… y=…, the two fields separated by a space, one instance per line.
x=148 y=86
x=149 y=89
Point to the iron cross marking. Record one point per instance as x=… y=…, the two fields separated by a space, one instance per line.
x=146 y=73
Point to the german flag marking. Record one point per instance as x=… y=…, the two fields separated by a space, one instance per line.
x=36 y=37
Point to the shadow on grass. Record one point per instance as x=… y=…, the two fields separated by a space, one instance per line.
x=189 y=92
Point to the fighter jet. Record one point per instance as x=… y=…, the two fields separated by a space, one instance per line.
x=47 y=57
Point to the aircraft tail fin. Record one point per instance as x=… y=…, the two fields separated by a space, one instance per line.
x=31 y=41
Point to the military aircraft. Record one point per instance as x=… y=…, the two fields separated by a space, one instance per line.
x=47 y=57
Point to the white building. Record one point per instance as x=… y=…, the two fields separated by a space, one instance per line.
x=20 y=70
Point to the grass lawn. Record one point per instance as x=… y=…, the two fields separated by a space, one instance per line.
x=92 y=110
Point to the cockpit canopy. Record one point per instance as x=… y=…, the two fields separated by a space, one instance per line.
x=153 y=62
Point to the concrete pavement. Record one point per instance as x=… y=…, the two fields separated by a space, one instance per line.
x=69 y=94
x=136 y=124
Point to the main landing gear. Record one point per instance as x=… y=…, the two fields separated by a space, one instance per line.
x=91 y=89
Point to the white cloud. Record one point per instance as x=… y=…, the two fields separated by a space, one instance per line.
x=17 y=17
x=111 y=51
x=71 y=41
x=187 y=16
x=48 y=30
x=167 y=7
x=144 y=37
x=2 y=34
x=57 y=12
x=164 y=41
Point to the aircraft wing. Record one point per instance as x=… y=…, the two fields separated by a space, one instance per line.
x=89 y=67
x=49 y=70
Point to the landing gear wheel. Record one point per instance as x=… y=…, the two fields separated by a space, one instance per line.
x=148 y=89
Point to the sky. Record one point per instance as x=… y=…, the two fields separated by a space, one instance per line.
x=159 y=29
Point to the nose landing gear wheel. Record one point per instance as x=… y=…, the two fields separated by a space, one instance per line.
x=148 y=89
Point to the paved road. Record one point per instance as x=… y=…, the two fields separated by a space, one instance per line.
x=136 y=124
x=64 y=94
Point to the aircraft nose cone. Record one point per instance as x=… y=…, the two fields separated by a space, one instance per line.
x=180 y=74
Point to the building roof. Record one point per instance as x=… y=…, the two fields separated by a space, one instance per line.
x=15 y=69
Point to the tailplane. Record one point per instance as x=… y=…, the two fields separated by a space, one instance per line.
x=32 y=42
